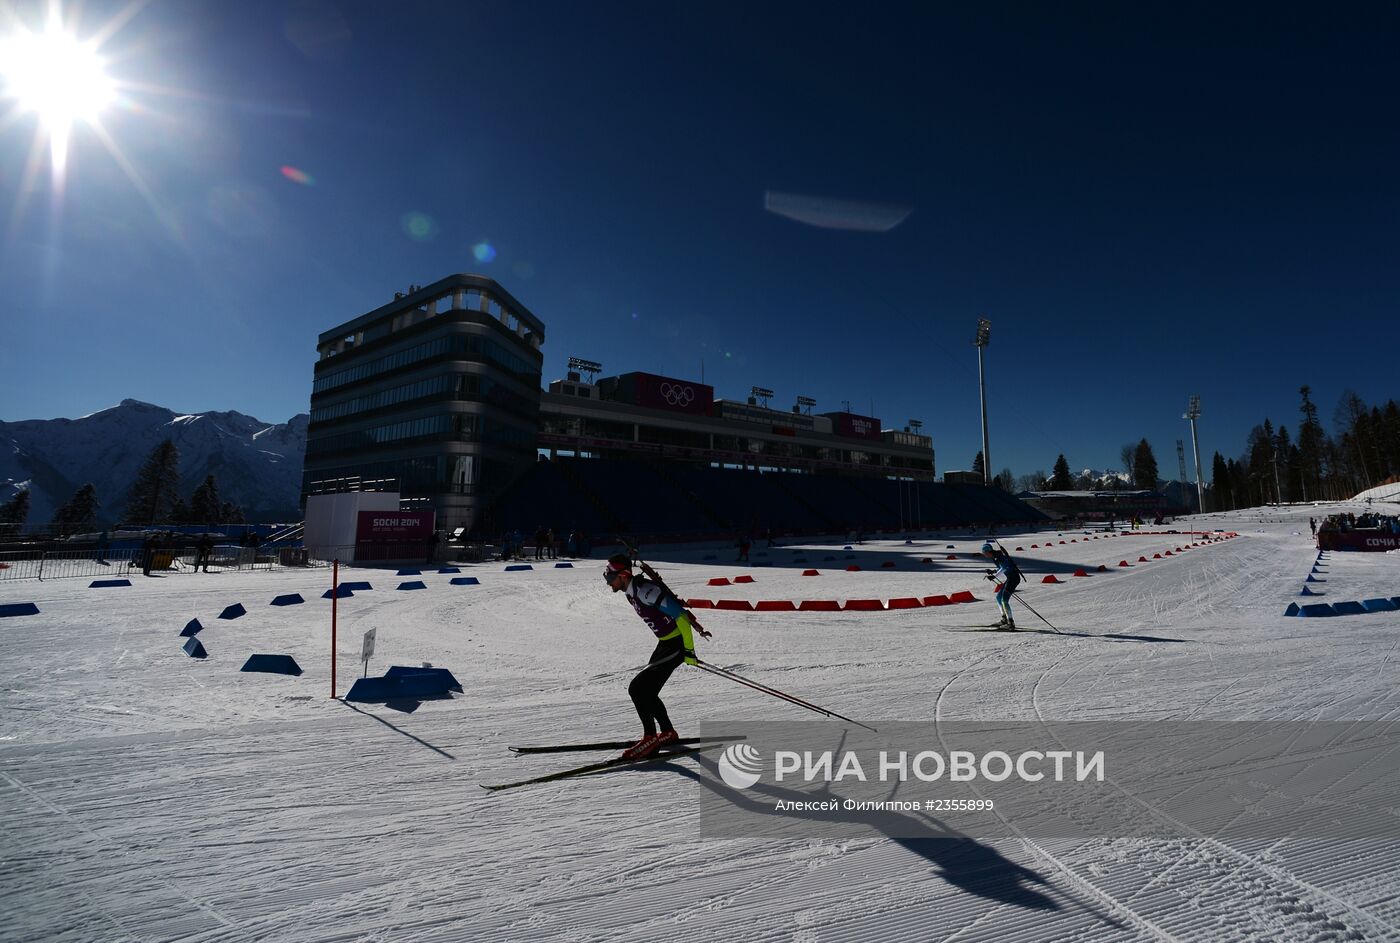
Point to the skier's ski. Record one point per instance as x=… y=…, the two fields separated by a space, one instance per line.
x=598 y=767
x=609 y=745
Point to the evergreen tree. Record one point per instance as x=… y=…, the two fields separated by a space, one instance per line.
x=1283 y=455
x=978 y=465
x=157 y=486
x=205 y=505
x=230 y=513
x=80 y=512
x=1061 y=480
x=180 y=513
x=1144 y=467
x=1004 y=480
x=16 y=510
x=1351 y=421
x=1221 y=498
x=1311 y=444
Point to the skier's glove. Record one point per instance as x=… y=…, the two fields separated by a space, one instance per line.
x=990 y=575
x=699 y=628
x=690 y=658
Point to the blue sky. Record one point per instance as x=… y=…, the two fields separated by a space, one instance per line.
x=1146 y=202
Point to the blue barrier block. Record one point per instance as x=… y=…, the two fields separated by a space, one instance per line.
x=1308 y=592
x=1313 y=579
x=465 y=581
x=443 y=678
x=908 y=543
x=563 y=566
x=356 y=586
x=191 y=629
x=233 y=612
x=289 y=599
x=195 y=648
x=449 y=569
x=1292 y=609
x=402 y=682
x=342 y=591
x=1316 y=609
x=272 y=664
x=409 y=572
x=1379 y=604
x=1349 y=608
x=412 y=584
x=102 y=584
x=18 y=609
x=1396 y=600
x=848 y=547
x=518 y=566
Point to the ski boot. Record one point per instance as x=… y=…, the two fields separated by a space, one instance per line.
x=642 y=748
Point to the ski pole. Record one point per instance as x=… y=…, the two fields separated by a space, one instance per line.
x=1022 y=599
x=774 y=692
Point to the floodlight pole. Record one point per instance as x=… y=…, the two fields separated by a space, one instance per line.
x=984 y=333
x=1193 y=412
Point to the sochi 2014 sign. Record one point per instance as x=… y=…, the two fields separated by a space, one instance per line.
x=393 y=526
x=1376 y=541
x=682 y=396
x=858 y=427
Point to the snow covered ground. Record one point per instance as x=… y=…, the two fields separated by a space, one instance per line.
x=148 y=796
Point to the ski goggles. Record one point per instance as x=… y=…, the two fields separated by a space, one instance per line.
x=610 y=574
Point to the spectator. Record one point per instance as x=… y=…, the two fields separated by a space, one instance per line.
x=540 y=535
x=743 y=549
x=148 y=553
x=549 y=543
x=433 y=540
x=204 y=549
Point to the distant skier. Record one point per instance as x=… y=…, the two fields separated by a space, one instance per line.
x=672 y=625
x=1009 y=575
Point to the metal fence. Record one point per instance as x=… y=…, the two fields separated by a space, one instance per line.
x=50 y=564
x=64 y=564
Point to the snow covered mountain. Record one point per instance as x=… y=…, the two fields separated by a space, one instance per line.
x=256 y=464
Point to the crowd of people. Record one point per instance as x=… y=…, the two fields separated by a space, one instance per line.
x=1387 y=523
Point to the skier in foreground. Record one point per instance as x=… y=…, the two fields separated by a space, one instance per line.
x=1009 y=575
x=672 y=625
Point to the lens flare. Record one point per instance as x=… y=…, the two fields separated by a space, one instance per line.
x=420 y=226
x=298 y=176
x=483 y=251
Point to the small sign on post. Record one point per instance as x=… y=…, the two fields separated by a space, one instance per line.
x=368 y=649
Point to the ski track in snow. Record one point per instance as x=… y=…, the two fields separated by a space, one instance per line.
x=146 y=796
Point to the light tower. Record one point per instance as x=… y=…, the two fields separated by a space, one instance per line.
x=590 y=367
x=1193 y=412
x=984 y=334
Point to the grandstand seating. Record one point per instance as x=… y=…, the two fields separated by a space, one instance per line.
x=604 y=496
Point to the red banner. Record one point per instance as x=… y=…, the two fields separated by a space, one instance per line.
x=857 y=427
x=682 y=396
x=393 y=526
x=1377 y=541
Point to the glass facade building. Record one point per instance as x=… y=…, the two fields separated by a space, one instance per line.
x=436 y=395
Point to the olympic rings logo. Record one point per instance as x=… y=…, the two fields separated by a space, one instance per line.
x=677 y=395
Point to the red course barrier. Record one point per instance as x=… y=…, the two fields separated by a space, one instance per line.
x=964 y=596
x=743 y=579
x=1102 y=568
x=1080 y=573
x=865 y=605
x=1142 y=559
x=743 y=605
x=852 y=569
x=810 y=573
x=699 y=604
x=1050 y=579
x=906 y=602
x=937 y=601
x=719 y=581
x=774 y=605
x=1124 y=563
x=819 y=605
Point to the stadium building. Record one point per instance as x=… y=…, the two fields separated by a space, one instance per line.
x=438 y=395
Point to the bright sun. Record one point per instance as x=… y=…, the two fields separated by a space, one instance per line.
x=55 y=76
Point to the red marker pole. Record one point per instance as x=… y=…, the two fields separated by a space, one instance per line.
x=335 y=596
